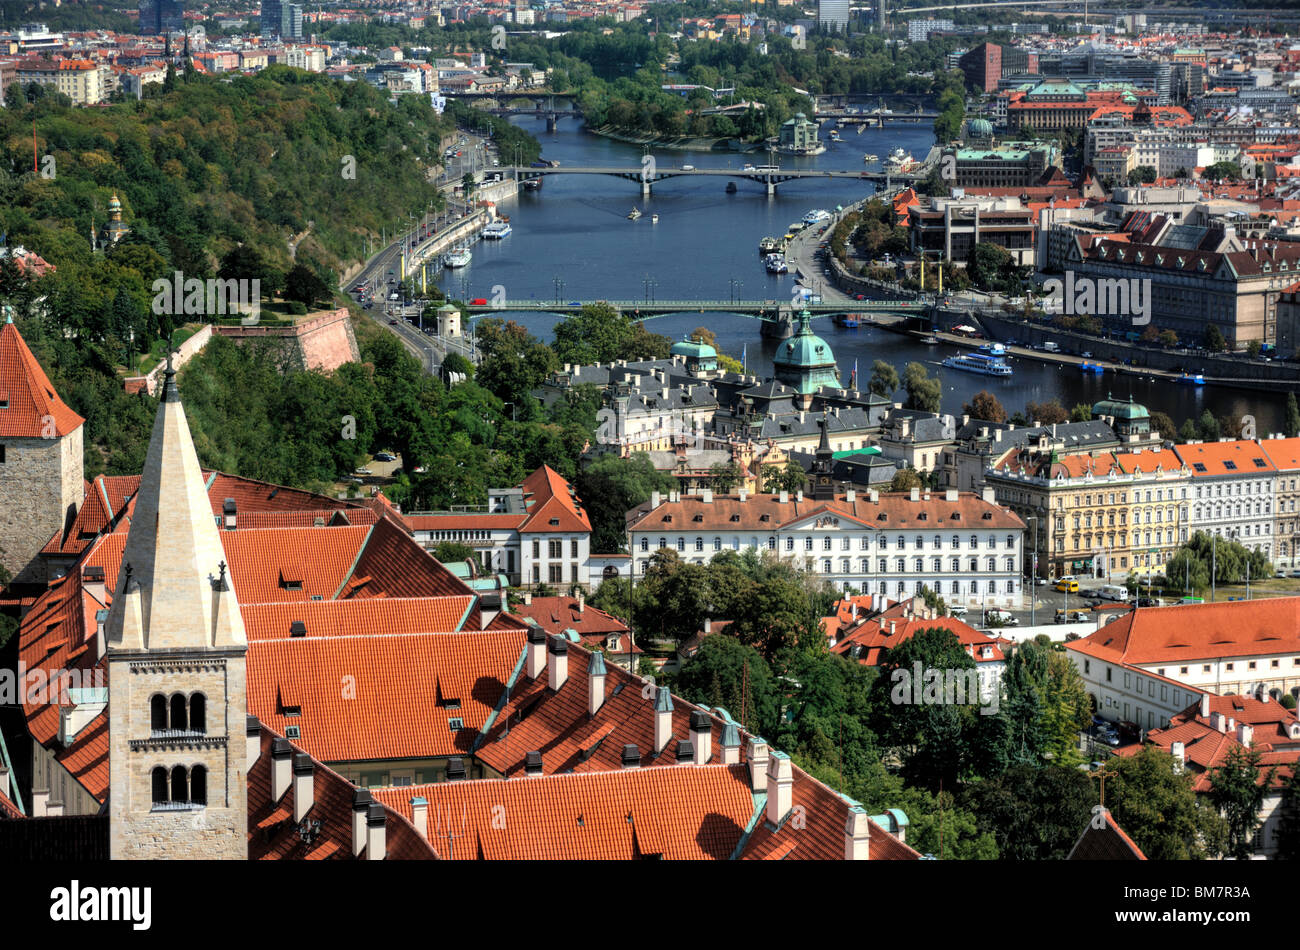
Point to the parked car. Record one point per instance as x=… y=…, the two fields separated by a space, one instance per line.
x=385 y=457
x=956 y=610
x=1040 y=581
x=1067 y=586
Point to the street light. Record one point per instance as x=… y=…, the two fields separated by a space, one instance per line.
x=734 y=284
x=559 y=288
x=1033 y=578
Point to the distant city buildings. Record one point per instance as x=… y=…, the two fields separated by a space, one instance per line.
x=161 y=17
x=833 y=15
x=918 y=31
x=281 y=19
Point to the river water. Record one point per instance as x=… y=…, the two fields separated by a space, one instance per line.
x=575 y=230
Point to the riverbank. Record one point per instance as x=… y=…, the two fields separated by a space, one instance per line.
x=684 y=144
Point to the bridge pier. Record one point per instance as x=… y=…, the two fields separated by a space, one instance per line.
x=645 y=188
x=550 y=122
x=771 y=189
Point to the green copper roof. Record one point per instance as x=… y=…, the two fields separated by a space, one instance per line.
x=805 y=361
x=693 y=349
x=1120 y=409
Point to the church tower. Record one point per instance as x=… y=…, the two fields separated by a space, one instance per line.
x=176 y=667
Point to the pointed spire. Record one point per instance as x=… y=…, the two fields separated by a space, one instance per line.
x=170 y=392
x=170 y=597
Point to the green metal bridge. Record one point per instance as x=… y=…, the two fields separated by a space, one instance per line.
x=757 y=309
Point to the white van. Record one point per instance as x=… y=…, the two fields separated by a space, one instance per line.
x=1114 y=592
x=996 y=615
x=1050 y=347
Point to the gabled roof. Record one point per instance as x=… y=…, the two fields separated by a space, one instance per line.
x=34 y=409
x=869 y=639
x=1238 y=457
x=372 y=615
x=552 y=504
x=1107 y=842
x=557 y=614
x=382 y=696
x=681 y=812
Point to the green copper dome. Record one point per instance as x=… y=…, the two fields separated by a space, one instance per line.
x=805 y=361
x=980 y=128
x=693 y=349
x=1119 y=409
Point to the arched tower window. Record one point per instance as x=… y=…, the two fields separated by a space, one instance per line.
x=160 y=796
x=199 y=785
x=178 y=711
x=158 y=712
x=198 y=713
x=180 y=787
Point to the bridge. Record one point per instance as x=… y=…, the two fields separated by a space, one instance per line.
x=651 y=174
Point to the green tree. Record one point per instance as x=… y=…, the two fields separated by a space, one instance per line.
x=1254 y=348
x=1142 y=175
x=449 y=551
x=1214 y=341
x=1291 y=425
x=1082 y=412
x=609 y=488
x=303 y=285
x=513 y=362
x=1237 y=789
x=1156 y=804
x=884 y=379
x=777 y=616
x=724 y=477
x=924 y=392
x=716 y=676
x=905 y=479
x=1046 y=413
x=678 y=596
x=1036 y=813
x=1160 y=422
x=788 y=477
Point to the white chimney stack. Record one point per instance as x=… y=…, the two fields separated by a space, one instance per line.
x=304 y=785
x=420 y=816
x=1245 y=734
x=1180 y=755
x=701 y=735
x=376 y=838
x=758 y=757
x=536 y=652
x=1205 y=705
x=281 y=768
x=596 y=673
x=730 y=744
x=252 y=744
x=706 y=496
x=557 y=663
x=663 y=718
x=780 y=788
x=857 y=835
x=361 y=801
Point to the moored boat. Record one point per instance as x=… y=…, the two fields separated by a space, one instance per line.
x=979 y=363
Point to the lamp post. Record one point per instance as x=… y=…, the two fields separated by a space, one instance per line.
x=1033 y=577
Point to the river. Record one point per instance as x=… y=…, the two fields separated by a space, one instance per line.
x=575 y=230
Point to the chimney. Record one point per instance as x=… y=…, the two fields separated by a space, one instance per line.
x=361 y=802
x=706 y=496
x=875 y=497
x=228 y=510
x=708 y=624
x=1245 y=734
x=101 y=637
x=950 y=495
x=631 y=756
x=1205 y=705
x=916 y=494
x=758 y=757
x=304 y=785
x=685 y=752
x=663 y=718
x=528 y=597
x=730 y=744
x=281 y=768
x=987 y=494
x=701 y=736
x=780 y=788
x=857 y=835
x=533 y=764
x=595 y=683
x=420 y=816
x=798 y=496
x=743 y=495
x=253 y=742
x=656 y=500
x=92 y=582
x=784 y=497
x=376 y=839
x=850 y=496
x=455 y=769
x=536 y=651
x=582 y=600
x=557 y=663
x=664 y=392
x=1232 y=725
x=1217 y=722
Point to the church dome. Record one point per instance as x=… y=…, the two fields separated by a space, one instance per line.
x=693 y=349
x=805 y=361
x=1120 y=409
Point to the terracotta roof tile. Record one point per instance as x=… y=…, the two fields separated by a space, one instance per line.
x=549 y=498
x=32 y=408
x=557 y=614
x=374 y=615
x=1226 y=458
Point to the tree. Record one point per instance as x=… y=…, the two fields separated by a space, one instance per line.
x=884 y=379
x=1035 y=812
x=1156 y=804
x=449 y=551
x=1187 y=431
x=455 y=363
x=514 y=362
x=905 y=479
x=1160 y=422
x=1167 y=338
x=1288 y=827
x=303 y=285
x=984 y=405
x=776 y=616
x=677 y=596
x=789 y=477
x=716 y=674
x=724 y=478
x=1237 y=789
x=1046 y=413
x=1214 y=341
x=1082 y=412
x=988 y=265
x=1291 y=425
x=1222 y=170
x=923 y=391
x=1142 y=175
x=600 y=334
x=1254 y=348
x=610 y=487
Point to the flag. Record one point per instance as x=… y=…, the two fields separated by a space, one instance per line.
x=744 y=357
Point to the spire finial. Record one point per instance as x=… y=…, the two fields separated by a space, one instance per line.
x=170 y=392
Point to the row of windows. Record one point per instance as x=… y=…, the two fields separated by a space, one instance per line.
x=918 y=565
x=180 y=787
x=955 y=588
x=846 y=543
x=555 y=549
x=178 y=714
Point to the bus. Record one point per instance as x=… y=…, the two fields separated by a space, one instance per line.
x=768 y=169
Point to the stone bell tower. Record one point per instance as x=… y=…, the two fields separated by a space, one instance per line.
x=176 y=667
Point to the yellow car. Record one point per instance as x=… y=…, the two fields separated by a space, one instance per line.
x=1068 y=587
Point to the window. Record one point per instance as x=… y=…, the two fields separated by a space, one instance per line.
x=556 y=573
x=555 y=549
x=789 y=544
x=717 y=544
x=807 y=544
x=826 y=544
x=645 y=545
x=537 y=548
x=699 y=544
x=573 y=548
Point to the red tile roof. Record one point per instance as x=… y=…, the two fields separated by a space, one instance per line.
x=34 y=409
x=1239 y=457
x=684 y=813
x=873 y=637
x=1107 y=843
x=342 y=618
x=557 y=614
x=549 y=498
x=1283 y=453
x=1197 y=632
x=384 y=696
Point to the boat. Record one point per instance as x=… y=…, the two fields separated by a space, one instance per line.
x=993 y=349
x=497 y=230
x=816 y=216
x=869 y=158
x=1090 y=367
x=633 y=214
x=533 y=184
x=900 y=161
x=860 y=128
x=849 y=320
x=979 y=363
x=930 y=340
x=768 y=245
x=731 y=187
x=458 y=258
x=1192 y=379
x=654 y=218
x=833 y=135
x=776 y=264
x=794 y=228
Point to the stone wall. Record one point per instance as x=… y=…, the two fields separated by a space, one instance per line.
x=322 y=342
x=41 y=487
x=192 y=346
